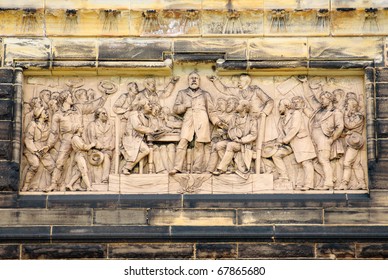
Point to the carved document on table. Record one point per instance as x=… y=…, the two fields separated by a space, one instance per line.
x=194 y=133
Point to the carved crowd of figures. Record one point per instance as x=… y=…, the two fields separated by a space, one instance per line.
x=312 y=142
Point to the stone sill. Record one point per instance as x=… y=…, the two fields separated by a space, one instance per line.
x=178 y=233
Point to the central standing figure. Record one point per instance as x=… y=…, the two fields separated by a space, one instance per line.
x=197 y=108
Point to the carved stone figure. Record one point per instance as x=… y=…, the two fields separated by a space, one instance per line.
x=354 y=124
x=294 y=132
x=134 y=146
x=151 y=94
x=261 y=103
x=197 y=107
x=80 y=149
x=242 y=131
x=326 y=125
x=102 y=132
x=63 y=128
x=35 y=140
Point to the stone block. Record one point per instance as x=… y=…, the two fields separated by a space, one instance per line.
x=90 y=4
x=5 y=150
x=31 y=201
x=144 y=184
x=222 y=233
x=27 y=49
x=190 y=183
x=120 y=217
x=151 y=251
x=330 y=232
x=109 y=233
x=25 y=233
x=64 y=251
x=278 y=49
x=335 y=251
x=45 y=217
x=74 y=49
x=133 y=49
x=345 y=48
x=226 y=23
x=165 y=4
x=150 y=201
x=232 y=184
x=6 y=109
x=381 y=75
x=275 y=250
x=372 y=251
x=22 y=22
x=88 y=22
x=180 y=217
x=232 y=49
x=382 y=128
x=359 y=21
x=6 y=91
x=279 y=216
x=6 y=75
x=9 y=252
x=264 y=200
x=290 y=4
x=83 y=201
x=282 y=21
x=216 y=251
x=346 y=216
x=9 y=178
x=382 y=108
x=381 y=89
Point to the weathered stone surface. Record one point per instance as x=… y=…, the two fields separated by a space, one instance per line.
x=345 y=48
x=221 y=233
x=277 y=49
x=9 y=252
x=72 y=49
x=110 y=233
x=165 y=4
x=279 y=216
x=5 y=150
x=335 y=250
x=87 y=201
x=9 y=176
x=264 y=201
x=150 y=201
x=151 y=251
x=120 y=217
x=6 y=75
x=381 y=89
x=179 y=217
x=381 y=107
x=64 y=251
x=233 y=49
x=6 y=91
x=26 y=49
x=381 y=75
x=275 y=250
x=216 y=251
x=45 y=217
x=382 y=128
x=144 y=183
x=6 y=109
x=90 y=4
x=25 y=233
x=371 y=251
x=356 y=216
x=133 y=49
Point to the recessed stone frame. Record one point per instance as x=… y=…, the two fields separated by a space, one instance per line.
x=222 y=68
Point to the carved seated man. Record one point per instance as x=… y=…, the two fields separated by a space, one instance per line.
x=134 y=145
x=242 y=131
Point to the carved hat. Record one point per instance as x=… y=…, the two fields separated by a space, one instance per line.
x=95 y=157
x=269 y=150
x=107 y=87
x=355 y=140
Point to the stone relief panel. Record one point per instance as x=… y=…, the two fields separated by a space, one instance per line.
x=194 y=133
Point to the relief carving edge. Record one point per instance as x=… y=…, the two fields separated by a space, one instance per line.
x=197 y=130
